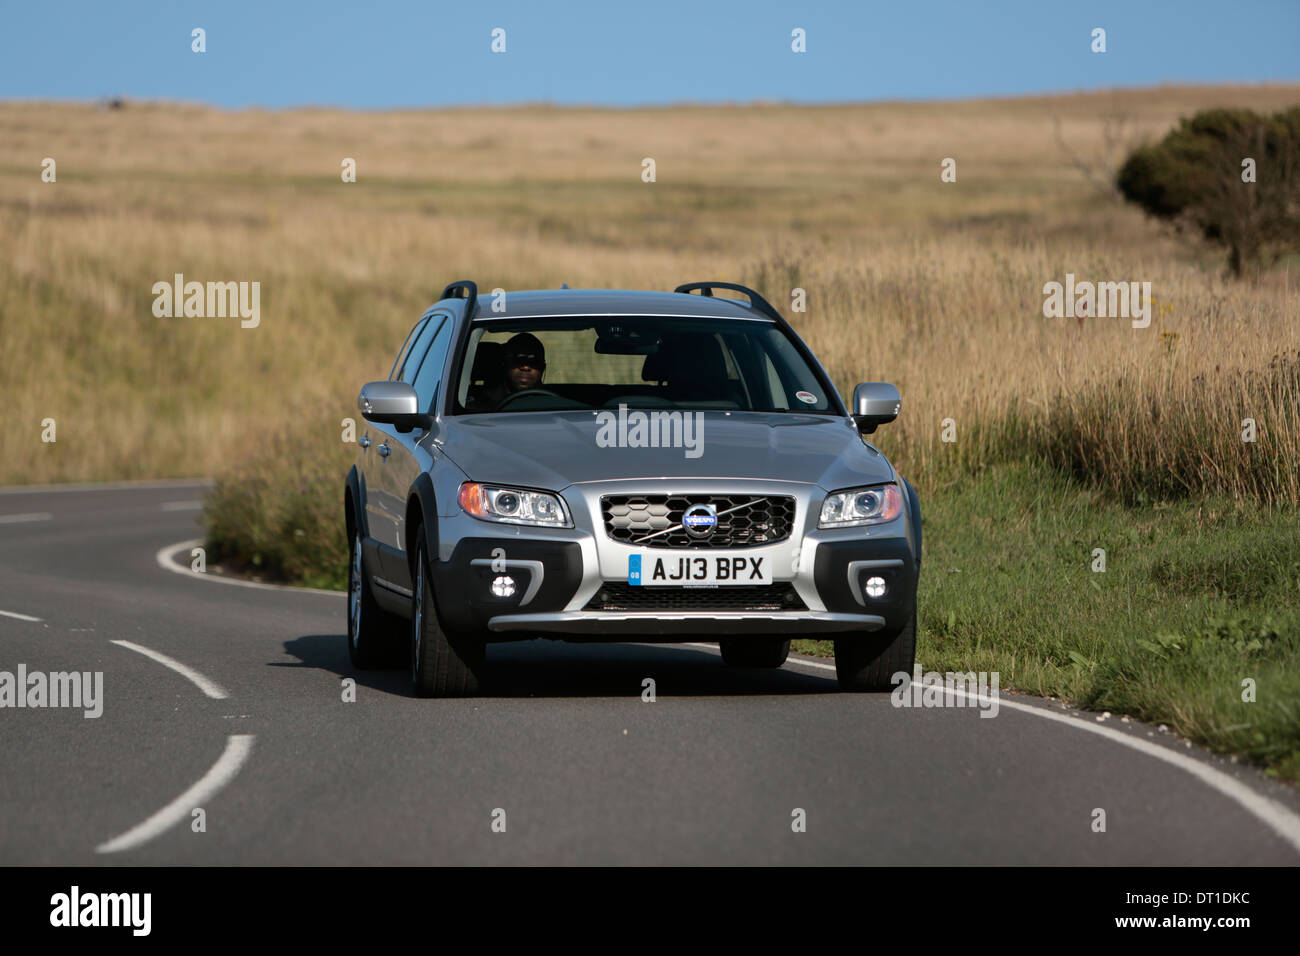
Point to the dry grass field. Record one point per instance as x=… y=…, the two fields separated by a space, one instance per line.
x=935 y=286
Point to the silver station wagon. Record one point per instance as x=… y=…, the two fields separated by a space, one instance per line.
x=598 y=465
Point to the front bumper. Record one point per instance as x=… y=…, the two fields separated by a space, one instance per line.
x=556 y=573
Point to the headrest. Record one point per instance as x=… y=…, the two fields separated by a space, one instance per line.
x=655 y=366
x=488 y=362
x=697 y=359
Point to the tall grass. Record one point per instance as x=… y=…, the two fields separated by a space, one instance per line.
x=1221 y=433
x=1145 y=413
x=935 y=286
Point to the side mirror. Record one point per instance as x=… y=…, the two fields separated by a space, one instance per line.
x=392 y=403
x=875 y=404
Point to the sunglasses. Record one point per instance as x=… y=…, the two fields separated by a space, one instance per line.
x=526 y=358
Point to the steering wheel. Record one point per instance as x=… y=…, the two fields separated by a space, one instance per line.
x=523 y=393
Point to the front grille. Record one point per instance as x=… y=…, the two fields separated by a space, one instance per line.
x=620 y=596
x=755 y=520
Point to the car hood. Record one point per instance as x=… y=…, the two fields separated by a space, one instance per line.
x=552 y=450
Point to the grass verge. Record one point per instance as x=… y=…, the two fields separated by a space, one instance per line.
x=1196 y=598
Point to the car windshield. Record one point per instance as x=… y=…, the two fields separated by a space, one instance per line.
x=528 y=365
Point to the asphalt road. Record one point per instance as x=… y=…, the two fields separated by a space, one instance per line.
x=562 y=748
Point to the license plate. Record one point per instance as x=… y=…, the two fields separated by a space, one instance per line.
x=654 y=570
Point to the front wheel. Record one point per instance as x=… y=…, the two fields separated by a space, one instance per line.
x=868 y=662
x=442 y=664
x=369 y=626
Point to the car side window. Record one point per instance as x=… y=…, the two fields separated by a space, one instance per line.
x=411 y=364
x=429 y=375
x=412 y=358
x=406 y=348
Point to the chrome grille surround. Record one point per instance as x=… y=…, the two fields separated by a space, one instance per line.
x=655 y=520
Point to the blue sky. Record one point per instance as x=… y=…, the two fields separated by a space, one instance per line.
x=397 y=54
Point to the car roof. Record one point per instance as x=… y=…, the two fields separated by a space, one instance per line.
x=548 y=302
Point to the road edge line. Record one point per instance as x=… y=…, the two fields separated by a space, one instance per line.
x=106 y=486
x=165 y=560
x=1279 y=818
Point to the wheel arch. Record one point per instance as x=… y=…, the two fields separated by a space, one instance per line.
x=421 y=510
x=354 y=514
x=913 y=517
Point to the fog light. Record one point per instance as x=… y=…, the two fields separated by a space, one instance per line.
x=503 y=586
x=875 y=587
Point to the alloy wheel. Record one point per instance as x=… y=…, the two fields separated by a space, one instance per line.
x=417 y=619
x=354 y=592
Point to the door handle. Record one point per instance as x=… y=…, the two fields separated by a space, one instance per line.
x=364 y=441
x=383 y=450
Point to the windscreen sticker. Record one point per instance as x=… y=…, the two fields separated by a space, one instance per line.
x=808 y=398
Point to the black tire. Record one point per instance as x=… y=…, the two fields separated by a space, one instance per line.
x=442 y=664
x=757 y=651
x=867 y=662
x=370 y=627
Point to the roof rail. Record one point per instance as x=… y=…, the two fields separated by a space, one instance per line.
x=455 y=290
x=756 y=301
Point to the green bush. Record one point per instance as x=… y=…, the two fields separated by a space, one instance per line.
x=1196 y=176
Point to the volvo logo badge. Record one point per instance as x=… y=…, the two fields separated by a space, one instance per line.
x=700 y=521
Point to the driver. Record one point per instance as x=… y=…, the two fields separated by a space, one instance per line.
x=525 y=361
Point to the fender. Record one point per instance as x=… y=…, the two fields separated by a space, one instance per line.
x=913 y=516
x=422 y=508
x=353 y=490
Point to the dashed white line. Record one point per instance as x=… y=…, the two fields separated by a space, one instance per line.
x=211 y=688
x=238 y=747
x=30 y=516
x=191 y=505
x=21 y=617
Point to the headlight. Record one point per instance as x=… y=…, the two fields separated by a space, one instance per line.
x=513 y=505
x=859 y=506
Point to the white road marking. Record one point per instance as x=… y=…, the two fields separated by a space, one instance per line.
x=166 y=561
x=211 y=688
x=1275 y=815
x=106 y=486
x=192 y=505
x=21 y=617
x=238 y=747
x=32 y=516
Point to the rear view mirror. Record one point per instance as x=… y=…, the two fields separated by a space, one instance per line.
x=875 y=404
x=392 y=403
